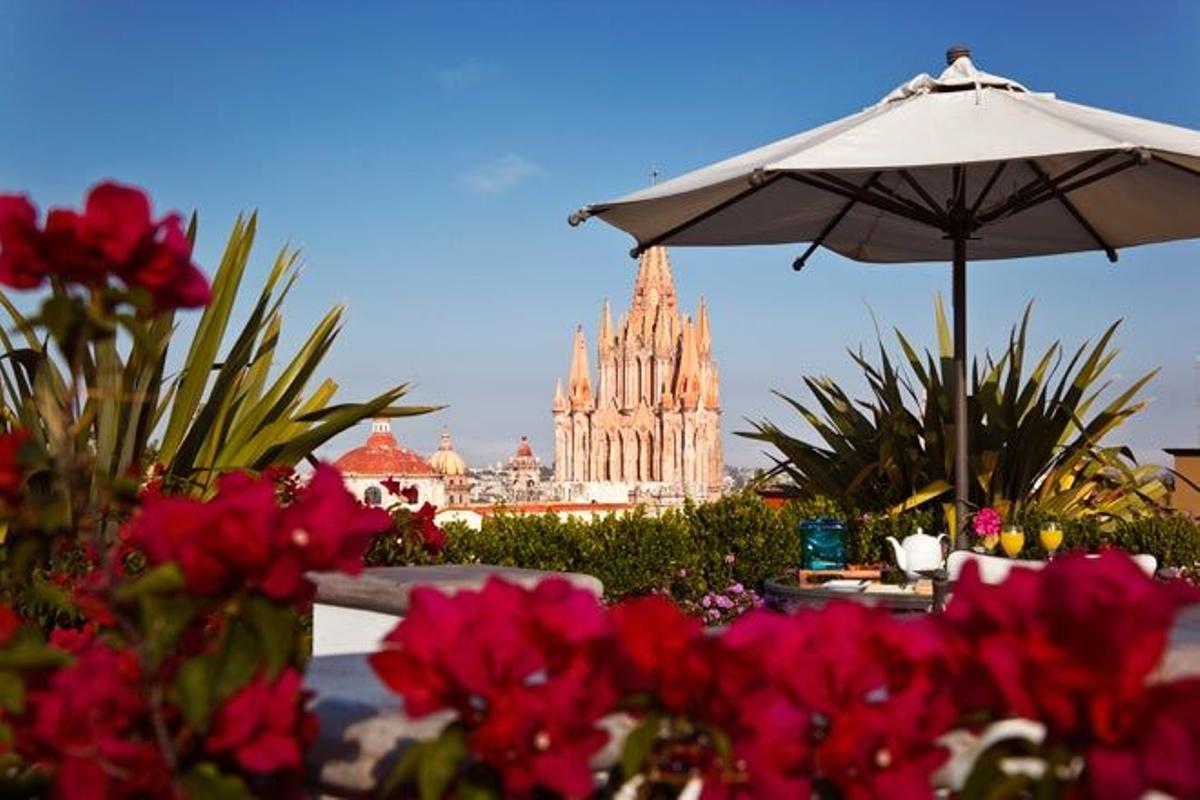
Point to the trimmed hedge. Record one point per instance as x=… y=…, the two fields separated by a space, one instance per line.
x=707 y=547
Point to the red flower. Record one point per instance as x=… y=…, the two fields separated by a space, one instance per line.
x=542 y=737
x=1162 y=755
x=242 y=537
x=217 y=544
x=846 y=695
x=12 y=474
x=1072 y=645
x=114 y=236
x=10 y=623
x=661 y=652
x=86 y=722
x=409 y=493
x=526 y=670
x=22 y=263
x=264 y=725
x=433 y=538
x=325 y=528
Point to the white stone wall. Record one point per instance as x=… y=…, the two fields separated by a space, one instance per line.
x=429 y=489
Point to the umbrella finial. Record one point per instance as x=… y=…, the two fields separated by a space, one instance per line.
x=956 y=51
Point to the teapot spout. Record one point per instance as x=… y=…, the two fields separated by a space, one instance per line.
x=901 y=561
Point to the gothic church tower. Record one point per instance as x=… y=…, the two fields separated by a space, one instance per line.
x=654 y=420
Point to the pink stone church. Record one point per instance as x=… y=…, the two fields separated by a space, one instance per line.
x=651 y=430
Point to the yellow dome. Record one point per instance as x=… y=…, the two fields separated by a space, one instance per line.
x=445 y=460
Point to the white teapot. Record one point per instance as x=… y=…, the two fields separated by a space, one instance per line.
x=918 y=552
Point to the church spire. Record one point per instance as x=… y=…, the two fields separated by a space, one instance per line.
x=560 y=402
x=580 y=387
x=606 y=329
x=703 y=335
x=687 y=384
x=712 y=388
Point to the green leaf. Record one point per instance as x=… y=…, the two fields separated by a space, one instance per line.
x=438 y=766
x=194 y=689
x=639 y=743
x=157 y=580
x=239 y=661
x=275 y=624
x=164 y=619
x=404 y=772
x=205 y=781
x=12 y=691
x=27 y=650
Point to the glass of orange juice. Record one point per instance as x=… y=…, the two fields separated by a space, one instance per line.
x=1051 y=535
x=1012 y=539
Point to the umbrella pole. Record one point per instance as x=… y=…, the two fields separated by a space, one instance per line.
x=961 y=452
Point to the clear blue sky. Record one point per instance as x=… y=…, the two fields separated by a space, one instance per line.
x=426 y=156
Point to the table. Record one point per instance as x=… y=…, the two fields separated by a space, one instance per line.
x=812 y=589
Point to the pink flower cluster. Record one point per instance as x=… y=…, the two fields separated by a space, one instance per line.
x=986 y=522
x=730 y=603
x=847 y=699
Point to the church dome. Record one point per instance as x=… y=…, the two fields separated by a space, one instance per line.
x=383 y=456
x=445 y=460
x=523 y=449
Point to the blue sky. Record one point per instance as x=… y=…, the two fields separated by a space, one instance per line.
x=425 y=156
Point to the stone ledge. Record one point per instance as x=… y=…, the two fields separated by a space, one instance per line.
x=387 y=589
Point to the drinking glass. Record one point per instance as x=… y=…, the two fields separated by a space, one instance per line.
x=1051 y=535
x=1012 y=539
x=990 y=540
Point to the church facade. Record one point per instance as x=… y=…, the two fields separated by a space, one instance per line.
x=649 y=427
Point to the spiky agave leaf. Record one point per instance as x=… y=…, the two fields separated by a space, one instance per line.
x=1035 y=436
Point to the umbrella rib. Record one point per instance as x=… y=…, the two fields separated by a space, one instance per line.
x=757 y=181
x=919 y=189
x=852 y=192
x=987 y=187
x=1057 y=192
x=1066 y=189
x=798 y=264
x=1036 y=190
x=1180 y=167
x=890 y=195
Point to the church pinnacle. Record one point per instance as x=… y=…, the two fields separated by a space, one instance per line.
x=579 y=389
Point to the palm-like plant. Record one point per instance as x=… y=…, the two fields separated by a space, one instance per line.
x=226 y=408
x=1037 y=437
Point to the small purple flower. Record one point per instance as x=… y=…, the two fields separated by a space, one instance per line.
x=712 y=614
x=724 y=602
x=730 y=558
x=706 y=601
x=736 y=588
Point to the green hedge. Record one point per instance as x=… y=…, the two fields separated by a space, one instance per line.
x=706 y=547
x=689 y=551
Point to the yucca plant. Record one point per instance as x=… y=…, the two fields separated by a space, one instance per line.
x=1038 y=437
x=225 y=408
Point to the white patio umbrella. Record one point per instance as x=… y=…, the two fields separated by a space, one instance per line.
x=967 y=165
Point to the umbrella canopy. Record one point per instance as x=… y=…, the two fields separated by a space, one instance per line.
x=965 y=165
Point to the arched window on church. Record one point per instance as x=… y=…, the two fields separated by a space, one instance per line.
x=373 y=496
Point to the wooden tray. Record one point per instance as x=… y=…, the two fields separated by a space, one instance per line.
x=815 y=577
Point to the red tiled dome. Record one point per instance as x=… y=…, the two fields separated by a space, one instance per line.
x=383 y=456
x=523 y=449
